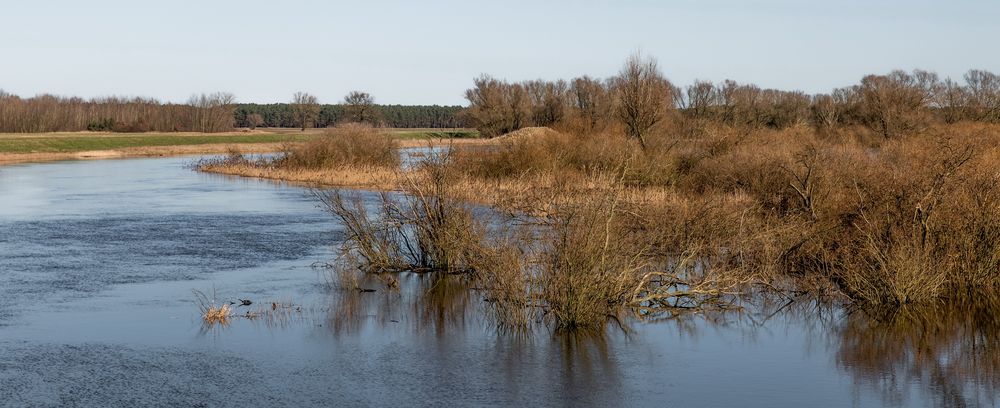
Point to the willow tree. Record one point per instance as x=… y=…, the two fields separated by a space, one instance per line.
x=644 y=96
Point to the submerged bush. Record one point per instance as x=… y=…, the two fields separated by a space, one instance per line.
x=426 y=230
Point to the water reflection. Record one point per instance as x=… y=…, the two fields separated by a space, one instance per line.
x=946 y=355
x=98 y=260
x=949 y=352
x=432 y=302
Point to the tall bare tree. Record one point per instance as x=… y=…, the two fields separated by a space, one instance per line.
x=591 y=102
x=305 y=109
x=360 y=107
x=701 y=99
x=644 y=96
x=212 y=112
x=897 y=103
x=984 y=95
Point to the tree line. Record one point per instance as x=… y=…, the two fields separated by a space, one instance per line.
x=216 y=112
x=397 y=116
x=48 y=113
x=640 y=98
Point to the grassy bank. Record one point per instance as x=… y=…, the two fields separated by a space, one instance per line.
x=38 y=147
x=88 y=141
x=79 y=142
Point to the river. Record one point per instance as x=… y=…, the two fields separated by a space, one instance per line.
x=98 y=260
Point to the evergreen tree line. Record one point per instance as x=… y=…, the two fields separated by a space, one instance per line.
x=397 y=116
x=215 y=112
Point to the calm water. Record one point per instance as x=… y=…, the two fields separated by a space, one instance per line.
x=98 y=260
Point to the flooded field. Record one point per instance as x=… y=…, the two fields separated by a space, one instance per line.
x=98 y=260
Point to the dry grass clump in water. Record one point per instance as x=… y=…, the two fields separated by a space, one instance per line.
x=583 y=265
x=211 y=312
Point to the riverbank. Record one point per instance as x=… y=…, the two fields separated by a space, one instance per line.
x=44 y=147
x=369 y=177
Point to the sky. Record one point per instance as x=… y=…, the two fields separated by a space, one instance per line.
x=429 y=51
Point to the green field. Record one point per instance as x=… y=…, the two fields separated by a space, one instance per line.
x=79 y=142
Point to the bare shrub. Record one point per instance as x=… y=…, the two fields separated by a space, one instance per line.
x=428 y=230
x=345 y=145
x=643 y=95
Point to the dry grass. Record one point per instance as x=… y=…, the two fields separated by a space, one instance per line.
x=351 y=144
x=911 y=220
x=377 y=178
x=695 y=222
x=212 y=312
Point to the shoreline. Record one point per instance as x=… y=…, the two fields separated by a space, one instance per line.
x=137 y=152
x=190 y=150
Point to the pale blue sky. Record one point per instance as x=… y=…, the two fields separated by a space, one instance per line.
x=427 y=52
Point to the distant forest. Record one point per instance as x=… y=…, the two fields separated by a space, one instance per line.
x=217 y=112
x=397 y=116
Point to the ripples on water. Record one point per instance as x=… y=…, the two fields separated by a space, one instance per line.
x=98 y=259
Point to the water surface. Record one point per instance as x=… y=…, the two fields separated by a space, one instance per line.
x=98 y=260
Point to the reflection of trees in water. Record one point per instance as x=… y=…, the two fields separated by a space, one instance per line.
x=423 y=302
x=944 y=355
x=948 y=352
x=579 y=367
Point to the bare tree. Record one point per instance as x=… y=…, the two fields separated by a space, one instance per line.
x=984 y=95
x=591 y=102
x=305 y=109
x=488 y=109
x=952 y=101
x=360 y=107
x=548 y=101
x=254 y=120
x=212 y=112
x=824 y=111
x=644 y=96
x=896 y=103
x=701 y=99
